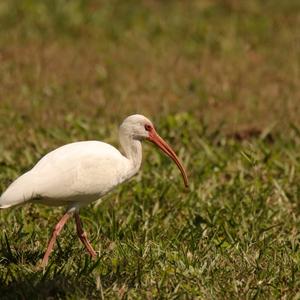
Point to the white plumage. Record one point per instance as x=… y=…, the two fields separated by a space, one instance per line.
x=74 y=175
x=79 y=173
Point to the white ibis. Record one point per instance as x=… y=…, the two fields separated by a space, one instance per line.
x=79 y=173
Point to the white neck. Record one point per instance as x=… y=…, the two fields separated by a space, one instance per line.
x=133 y=151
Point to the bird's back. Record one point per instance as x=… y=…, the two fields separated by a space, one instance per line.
x=76 y=172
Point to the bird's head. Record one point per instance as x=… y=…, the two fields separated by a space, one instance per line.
x=139 y=127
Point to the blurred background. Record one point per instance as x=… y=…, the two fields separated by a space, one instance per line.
x=231 y=64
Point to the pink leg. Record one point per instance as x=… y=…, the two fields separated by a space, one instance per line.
x=82 y=236
x=57 y=229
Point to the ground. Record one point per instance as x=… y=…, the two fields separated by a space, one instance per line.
x=220 y=80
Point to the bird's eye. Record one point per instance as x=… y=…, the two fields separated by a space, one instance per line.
x=147 y=127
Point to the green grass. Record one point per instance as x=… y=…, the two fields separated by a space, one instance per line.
x=220 y=80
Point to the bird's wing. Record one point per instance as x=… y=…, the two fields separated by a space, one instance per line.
x=82 y=171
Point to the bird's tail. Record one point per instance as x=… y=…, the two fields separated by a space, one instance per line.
x=18 y=192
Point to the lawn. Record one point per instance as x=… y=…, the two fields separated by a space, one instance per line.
x=220 y=80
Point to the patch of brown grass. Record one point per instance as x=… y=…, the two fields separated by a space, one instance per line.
x=239 y=79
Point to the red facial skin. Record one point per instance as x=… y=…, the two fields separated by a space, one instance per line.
x=160 y=143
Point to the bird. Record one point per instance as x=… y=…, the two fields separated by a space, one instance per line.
x=79 y=173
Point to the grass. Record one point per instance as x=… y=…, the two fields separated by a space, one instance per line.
x=220 y=79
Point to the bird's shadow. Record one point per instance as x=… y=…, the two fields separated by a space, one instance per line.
x=34 y=286
x=23 y=277
x=68 y=273
x=56 y=281
x=31 y=281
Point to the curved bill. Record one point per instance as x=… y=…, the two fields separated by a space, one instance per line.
x=157 y=140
